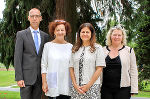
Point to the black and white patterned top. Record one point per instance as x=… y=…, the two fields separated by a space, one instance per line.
x=93 y=92
x=81 y=67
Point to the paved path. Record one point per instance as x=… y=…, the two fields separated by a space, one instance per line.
x=9 y=88
x=139 y=98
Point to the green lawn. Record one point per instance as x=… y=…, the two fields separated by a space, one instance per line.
x=9 y=95
x=7 y=78
x=15 y=87
x=143 y=94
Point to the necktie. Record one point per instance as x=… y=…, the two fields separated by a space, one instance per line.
x=36 y=40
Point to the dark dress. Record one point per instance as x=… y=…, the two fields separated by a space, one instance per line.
x=111 y=80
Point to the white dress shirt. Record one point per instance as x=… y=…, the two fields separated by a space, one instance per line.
x=39 y=37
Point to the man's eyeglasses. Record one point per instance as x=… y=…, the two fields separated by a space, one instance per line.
x=35 y=16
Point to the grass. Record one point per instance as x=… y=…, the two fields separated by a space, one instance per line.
x=145 y=92
x=7 y=78
x=15 y=87
x=9 y=95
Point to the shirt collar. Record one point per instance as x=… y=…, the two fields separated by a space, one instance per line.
x=33 y=29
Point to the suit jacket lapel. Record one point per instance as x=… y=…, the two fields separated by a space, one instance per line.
x=42 y=41
x=30 y=38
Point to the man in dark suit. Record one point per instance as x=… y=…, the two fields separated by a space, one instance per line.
x=27 y=58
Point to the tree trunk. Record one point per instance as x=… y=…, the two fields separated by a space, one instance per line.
x=66 y=9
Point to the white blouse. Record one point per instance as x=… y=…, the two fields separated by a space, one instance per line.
x=55 y=63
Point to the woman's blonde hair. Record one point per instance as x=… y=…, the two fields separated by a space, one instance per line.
x=118 y=27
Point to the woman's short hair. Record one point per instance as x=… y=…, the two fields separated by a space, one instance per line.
x=118 y=27
x=79 y=42
x=53 y=25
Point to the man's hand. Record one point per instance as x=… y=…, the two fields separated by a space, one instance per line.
x=21 y=83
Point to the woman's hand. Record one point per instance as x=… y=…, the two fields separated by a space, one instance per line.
x=85 y=88
x=45 y=87
x=78 y=89
x=132 y=94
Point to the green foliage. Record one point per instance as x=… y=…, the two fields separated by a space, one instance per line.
x=145 y=89
x=143 y=41
x=121 y=12
x=15 y=19
x=135 y=17
x=87 y=14
x=143 y=75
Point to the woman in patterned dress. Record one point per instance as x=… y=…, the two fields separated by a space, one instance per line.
x=87 y=62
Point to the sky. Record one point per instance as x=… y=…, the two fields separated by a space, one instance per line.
x=2 y=3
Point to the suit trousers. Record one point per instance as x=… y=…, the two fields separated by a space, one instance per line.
x=115 y=93
x=32 y=91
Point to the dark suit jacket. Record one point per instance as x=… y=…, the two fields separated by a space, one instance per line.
x=27 y=62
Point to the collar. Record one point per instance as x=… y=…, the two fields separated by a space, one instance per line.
x=33 y=29
x=118 y=50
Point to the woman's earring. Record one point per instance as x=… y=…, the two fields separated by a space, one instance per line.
x=54 y=36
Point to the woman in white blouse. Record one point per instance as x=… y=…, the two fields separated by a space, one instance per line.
x=86 y=64
x=55 y=62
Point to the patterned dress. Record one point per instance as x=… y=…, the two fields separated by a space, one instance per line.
x=92 y=93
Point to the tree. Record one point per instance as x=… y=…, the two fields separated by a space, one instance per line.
x=15 y=19
x=66 y=9
x=119 y=12
x=143 y=41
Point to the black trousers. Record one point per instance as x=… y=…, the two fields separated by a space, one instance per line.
x=60 y=97
x=115 y=93
x=32 y=91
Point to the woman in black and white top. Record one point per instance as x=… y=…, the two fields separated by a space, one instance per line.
x=86 y=64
